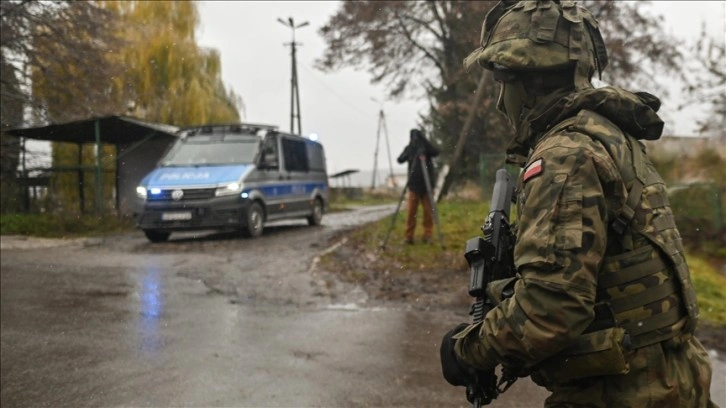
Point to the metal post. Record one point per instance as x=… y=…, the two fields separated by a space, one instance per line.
x=294 y=88
x=382 y=127
x=81 y=181
x=375 y=152
x=24 y=183
x=388 y=148
x=99 y=184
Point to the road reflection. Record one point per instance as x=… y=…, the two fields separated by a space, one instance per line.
x=151 y=308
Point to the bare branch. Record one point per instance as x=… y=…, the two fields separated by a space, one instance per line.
x=439 y=20
x=418 y=46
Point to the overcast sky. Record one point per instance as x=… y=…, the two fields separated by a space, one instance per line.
x=339 y=106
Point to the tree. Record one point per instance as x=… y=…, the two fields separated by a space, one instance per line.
x=66 y=60
x=43 y=46
x=639 y=50
x=169 y=78
x=11 y=115
x=98 y=58
x=416 y=49
x=47 y=46
x=164 y=77
x=706 y=83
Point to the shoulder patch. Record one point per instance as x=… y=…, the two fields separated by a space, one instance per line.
x=533 y=169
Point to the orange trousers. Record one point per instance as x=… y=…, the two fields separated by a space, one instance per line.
x=412 y=203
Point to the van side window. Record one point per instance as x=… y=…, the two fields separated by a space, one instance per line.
x=295 y=154
x=269 y=153
x=316 y=156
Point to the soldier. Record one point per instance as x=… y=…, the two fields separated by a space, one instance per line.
x=603 y=310
x=417 y=190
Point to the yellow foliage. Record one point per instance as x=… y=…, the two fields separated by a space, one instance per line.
x=169 y=77
x=157 y=70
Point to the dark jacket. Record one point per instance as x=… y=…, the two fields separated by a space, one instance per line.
x=418 y=147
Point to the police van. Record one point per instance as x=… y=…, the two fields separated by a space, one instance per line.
x=236 y=176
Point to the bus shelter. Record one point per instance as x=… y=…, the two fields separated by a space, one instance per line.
x=138 y=145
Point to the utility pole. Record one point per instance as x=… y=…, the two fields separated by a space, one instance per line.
x=382 y=127
x=294 y=91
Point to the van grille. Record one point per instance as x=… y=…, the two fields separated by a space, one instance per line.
x=189 y=194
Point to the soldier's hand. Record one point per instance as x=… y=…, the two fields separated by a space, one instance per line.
x=455 y=371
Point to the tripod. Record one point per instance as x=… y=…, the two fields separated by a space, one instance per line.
x=429 y=192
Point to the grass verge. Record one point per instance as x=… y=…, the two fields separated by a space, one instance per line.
x=58 y=226
x=461 y=221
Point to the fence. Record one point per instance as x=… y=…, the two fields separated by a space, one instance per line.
x=68 y=190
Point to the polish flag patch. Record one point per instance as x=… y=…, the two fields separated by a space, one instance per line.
x=533 y=169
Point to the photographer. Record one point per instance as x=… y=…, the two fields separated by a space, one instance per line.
x=417 y=149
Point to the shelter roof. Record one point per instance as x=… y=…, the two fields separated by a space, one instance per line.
x=118 y=130
x=343 y=173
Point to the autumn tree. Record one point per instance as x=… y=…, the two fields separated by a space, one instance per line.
x=58 y=53
x=11 y=115
x=46 y=45
x=77 y=59
x=169 y=78
x=415 y=49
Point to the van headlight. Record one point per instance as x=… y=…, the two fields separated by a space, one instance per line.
x=141 y=192
x=229 y=189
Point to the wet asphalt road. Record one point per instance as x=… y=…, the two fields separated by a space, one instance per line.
x=214 y=320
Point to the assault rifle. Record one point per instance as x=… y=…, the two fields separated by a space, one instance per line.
x=491 y=258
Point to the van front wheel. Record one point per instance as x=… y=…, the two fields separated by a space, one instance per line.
x=157 y=236
x=317 y=215
x=255 y=219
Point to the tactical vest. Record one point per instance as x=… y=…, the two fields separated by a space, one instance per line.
x=645 y=295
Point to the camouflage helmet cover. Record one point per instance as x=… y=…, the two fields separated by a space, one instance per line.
x=541 y=35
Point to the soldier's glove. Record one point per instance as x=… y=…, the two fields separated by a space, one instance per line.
x=455 y=371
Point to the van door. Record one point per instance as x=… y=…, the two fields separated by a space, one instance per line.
x=297 y=169
x=272 y=179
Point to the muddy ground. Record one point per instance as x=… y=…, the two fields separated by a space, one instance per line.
x=426 y=289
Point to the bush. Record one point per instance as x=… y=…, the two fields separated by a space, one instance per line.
x=54 y=225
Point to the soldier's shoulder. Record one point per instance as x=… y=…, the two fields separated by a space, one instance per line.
x=587 y=132
x=570 y=149
x=568 y=142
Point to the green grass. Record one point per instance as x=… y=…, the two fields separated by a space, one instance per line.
x=461 y=221
x=57 y=226
x=710 y=290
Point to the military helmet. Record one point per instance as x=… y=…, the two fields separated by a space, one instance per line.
x=541 y=36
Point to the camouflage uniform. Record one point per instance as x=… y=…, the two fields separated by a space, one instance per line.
x=603 y=310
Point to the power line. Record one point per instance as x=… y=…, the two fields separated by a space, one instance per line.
x=343 y=99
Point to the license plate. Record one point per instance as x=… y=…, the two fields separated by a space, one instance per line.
x=176 y=216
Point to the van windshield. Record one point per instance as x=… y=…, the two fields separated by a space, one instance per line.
x=213 y=151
